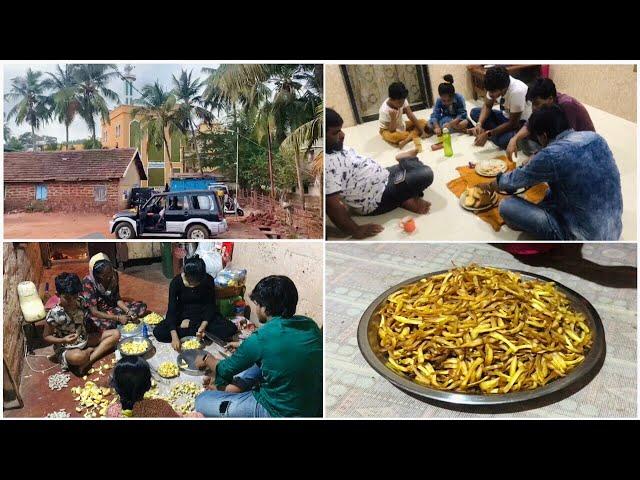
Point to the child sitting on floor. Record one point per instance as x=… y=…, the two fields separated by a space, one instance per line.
x=392 y=127
x=450 y=110
x=131 y=380
x=65 y=328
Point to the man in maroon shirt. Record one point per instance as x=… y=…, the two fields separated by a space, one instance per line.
x=543 y=93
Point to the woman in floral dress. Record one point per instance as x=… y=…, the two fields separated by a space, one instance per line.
x=101 y=293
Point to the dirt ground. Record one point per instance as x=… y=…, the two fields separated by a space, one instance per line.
x=40 y=225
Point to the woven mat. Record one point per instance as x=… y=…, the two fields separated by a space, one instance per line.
x=469 y=178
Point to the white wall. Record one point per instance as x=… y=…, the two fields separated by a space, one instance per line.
x=302 y=262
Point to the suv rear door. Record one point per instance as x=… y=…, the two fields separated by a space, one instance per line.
x=205 y=206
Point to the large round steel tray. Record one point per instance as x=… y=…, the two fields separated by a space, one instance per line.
x=479 y=403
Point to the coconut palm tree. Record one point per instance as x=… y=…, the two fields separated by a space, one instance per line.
x=157 y=114
x=298 y=143
x=64 y=96
x=286 y=111
x=93 y=92
x=191 y=106
x=33 y=106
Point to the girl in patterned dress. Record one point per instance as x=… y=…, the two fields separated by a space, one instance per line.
x=65 y=328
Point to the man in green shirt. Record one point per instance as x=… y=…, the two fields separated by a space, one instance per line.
x=277 y=371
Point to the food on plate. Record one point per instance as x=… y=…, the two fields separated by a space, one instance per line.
x=478 y=197
x=135 y=347
x=482 y=330
x=152 y=319
x=130 y=327
x=184 y=364
x=168 y=370
x=491 y=167
x=191 y=344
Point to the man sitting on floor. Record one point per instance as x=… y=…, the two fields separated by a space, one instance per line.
x=584 y=201
x=500 y=126
x=277 y=370
x=360 y=183
x=543 y=93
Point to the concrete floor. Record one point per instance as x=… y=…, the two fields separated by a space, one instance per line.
x=447 y=220
x=145 y=283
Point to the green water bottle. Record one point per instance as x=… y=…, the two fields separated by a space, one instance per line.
x=446 y=143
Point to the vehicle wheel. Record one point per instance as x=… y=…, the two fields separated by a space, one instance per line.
x=124 y=231
x=197 y=232
x=241 y=212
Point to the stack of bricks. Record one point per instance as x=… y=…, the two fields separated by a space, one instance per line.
x=306 y=222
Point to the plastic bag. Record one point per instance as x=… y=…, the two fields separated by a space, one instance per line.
x=231 y=277
x=208 y=252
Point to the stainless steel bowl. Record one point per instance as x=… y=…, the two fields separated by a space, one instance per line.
x=184 y=339
x=189 y=357
x=131 y=339
x=134 y=333
x=479 y=403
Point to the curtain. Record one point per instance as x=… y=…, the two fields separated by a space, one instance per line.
x=370 y=84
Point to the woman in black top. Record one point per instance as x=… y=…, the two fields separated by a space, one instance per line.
x=192 y=307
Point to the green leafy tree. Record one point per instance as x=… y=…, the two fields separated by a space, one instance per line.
x=91 y=144
x=158 y=115
x=63 y=85
x=14 y=145
x=284 y=97
x=191 y=107
x=32 y=104
x=93 y=92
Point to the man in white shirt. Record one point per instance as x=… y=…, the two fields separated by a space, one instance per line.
x=392 y=128
x=358 y=184
x=500 y=126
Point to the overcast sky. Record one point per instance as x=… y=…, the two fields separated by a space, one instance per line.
x=145 y=73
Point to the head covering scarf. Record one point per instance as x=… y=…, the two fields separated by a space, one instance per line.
x=99 y=257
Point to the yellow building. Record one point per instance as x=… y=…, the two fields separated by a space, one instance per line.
x=123 y=131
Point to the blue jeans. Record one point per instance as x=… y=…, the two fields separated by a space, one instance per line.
x=214 y=403
x=495 y=119
x=538 y=220
x=443 y=120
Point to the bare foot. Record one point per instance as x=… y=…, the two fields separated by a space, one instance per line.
x=408 y=153
x=416 y=205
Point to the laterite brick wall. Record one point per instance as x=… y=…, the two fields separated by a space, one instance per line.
x=64 y=196
x=22 y=262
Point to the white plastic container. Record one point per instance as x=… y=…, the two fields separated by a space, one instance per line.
x=30 y=302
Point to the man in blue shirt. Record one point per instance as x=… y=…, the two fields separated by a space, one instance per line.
x=584 y=201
